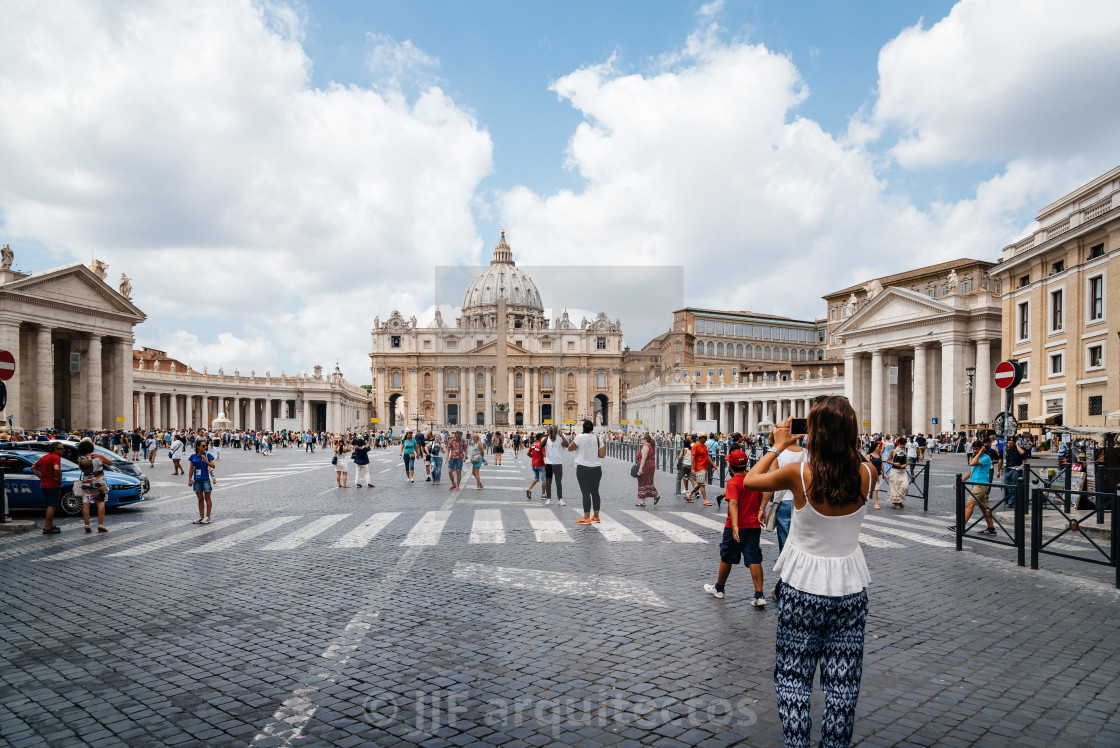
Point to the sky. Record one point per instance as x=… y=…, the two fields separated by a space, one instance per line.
x=274 y=175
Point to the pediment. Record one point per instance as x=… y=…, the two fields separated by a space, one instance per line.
x=893 y=306
x=491 y=349
x=77 y=285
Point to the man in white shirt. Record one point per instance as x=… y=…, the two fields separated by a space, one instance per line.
x=554 y=445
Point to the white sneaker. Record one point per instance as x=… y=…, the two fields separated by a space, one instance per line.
x=548 y=502
x=711 y=590
x=198 y=521
x=759 y=602
x=204 y=521
x=561 y=502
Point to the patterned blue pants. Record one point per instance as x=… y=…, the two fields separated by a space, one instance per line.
x=828 y=630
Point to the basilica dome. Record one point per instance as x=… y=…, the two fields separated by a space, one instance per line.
x=502 y=279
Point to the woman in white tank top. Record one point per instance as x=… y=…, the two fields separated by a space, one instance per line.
x=822 y=602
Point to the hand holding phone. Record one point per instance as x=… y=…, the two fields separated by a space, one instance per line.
x=799 y=426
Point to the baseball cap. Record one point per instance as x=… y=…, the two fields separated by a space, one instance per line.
x=737 y=459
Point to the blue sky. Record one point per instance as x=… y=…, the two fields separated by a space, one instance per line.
x=311 y=164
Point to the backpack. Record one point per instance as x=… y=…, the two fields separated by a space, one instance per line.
x=434 y=449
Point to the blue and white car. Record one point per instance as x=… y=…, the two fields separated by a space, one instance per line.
x=25 y=494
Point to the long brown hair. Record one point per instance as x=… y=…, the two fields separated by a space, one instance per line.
x=833 y=453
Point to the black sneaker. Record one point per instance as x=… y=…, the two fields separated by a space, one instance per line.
x=428 y=479
x=952 y=528
x=988 y=531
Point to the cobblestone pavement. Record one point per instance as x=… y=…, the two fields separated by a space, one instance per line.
x=408 y=614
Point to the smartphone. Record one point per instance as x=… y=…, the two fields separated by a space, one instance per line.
x=799 y=426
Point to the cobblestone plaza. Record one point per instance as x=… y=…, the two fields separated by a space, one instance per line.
x=407 y=614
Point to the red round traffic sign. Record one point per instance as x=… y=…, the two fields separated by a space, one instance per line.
x=7 y=365
x=1006 y=375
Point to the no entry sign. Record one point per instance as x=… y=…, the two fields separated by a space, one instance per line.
x=1008 y=374
x=7 y=365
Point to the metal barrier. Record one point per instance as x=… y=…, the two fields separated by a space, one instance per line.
x=1044 y=499
x=1016 y=536
x=918 y=479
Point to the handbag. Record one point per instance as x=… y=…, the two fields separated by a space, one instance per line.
x=334 y=460
x=633 y=471
x=772 y=515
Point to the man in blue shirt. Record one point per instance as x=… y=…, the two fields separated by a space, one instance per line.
x=977 y=490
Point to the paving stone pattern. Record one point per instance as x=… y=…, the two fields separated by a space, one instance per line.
x=498 y=626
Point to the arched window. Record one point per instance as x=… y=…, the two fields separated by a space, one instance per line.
x=452 y=379
x=427 y=379
x=546 y=379
x=700 y=347
x=785 y=354
x=739 y=350
x=601 y=379
x=820 y=355
x=711 y=348
x=749 y=351
x=766 y=353
x=396 y=379
x=719 y=349
x=571 y=381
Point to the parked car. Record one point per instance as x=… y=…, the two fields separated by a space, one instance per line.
x=25 y=492
x=114 y=462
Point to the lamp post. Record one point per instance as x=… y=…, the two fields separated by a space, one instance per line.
x=971 y=372
x=431 y=424
x=417 y=416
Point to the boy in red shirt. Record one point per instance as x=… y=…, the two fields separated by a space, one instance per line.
x=536 y=455
x=700 y=463
x=742 y=532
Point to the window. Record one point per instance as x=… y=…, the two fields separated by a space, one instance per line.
x=711 y=348
x=711 y=373
x=452 y=379
x=479 y=381
x=844 y=312
x=785 y=354
x=546 y=379
x=766 y=332
x=1025 y=365
x=931 y=293
x=719 y=349
x=1096 y=356
x=517 y=380
x=1056 y=311
x=396 y=379
x=1056 y=364
x=748 y=352
x=832 y=314
x=721 y=372
x=966 y=285
x=758 y=332
x=600 y=380
x=600 y=344
x=571 y=381
x=479 y=343
x=395 y=341
x=774 y=333
x=738 y=350
x=766 y=353
x=427 y=345
x=1057 y=267
x=1024 y=321
x=820 y=355
x=700 y=347
x=719 y=328
x=1096 y=405
x=1097 y=250
x=738 y=331
x=1096 y=298
x=1024 y=281
x=571 y=345
x=697 y=373
x=546 y=345
x=1023 y=412
x=452 y=343
x=427 y=379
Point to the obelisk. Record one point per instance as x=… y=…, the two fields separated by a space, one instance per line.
x=501 y=367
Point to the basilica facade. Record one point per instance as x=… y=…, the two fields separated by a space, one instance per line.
x=502 y=362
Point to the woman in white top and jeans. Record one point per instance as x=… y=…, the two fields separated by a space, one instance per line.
x=590 y=450
x=822 y=603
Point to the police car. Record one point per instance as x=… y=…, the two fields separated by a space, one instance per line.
x=24 y=492
x=113 y=462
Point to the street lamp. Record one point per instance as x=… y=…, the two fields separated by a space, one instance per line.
x=971 y=372
x=431 y=424
x=417 y=416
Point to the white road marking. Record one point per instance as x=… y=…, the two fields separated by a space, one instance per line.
x=305 y=533
x=713 y=524
x=188 y=533
x=503 y=477
x=71 y=533
x=428 y=529
x=231 y=540
x=108 y=541
x=487 y=527
x=546 y=527
x=288 y=721
x=360 y=536
x=674 y=533
x=875 y=542
x=881 y=524
x=558 y=583
x=611 y=529
x=387 y=469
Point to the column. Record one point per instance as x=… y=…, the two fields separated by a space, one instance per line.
x=488 y=396
x=441 y=411
x=684 y=413
x=530 y=388
x=142 y=409
x=413 y=403
x=952 y=381
x=752 y=418
x=470 y=404
x=124 y=353
x=919 y=410
x=877 y=392
x=44 y=379
x=173 y=411
x=305 y=421
x=982 y=384
x=9 y=341
x=851 y=385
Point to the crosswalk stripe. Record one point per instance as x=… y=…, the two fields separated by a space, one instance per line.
x=713 y=524
x=504 y=477
x=360 y=536
x=487 y=527
x=612 y=529
x=188 y=533
x=305 y=533
x=937 y=522
x=875 y=542
x=882 y=525
x=546 y=527
x=428 y=529
x=673 y=532
x=110 y=541
x=229 y=541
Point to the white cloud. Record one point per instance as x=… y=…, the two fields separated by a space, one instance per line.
x=183 y=144
x=393 y=62
x=710 y=10
x=1000 y=79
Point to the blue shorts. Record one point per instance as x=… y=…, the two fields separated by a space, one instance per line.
x=52 y=497
x=538 y=472
x=454 y=463
x=747 y=548
x=202 y=486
